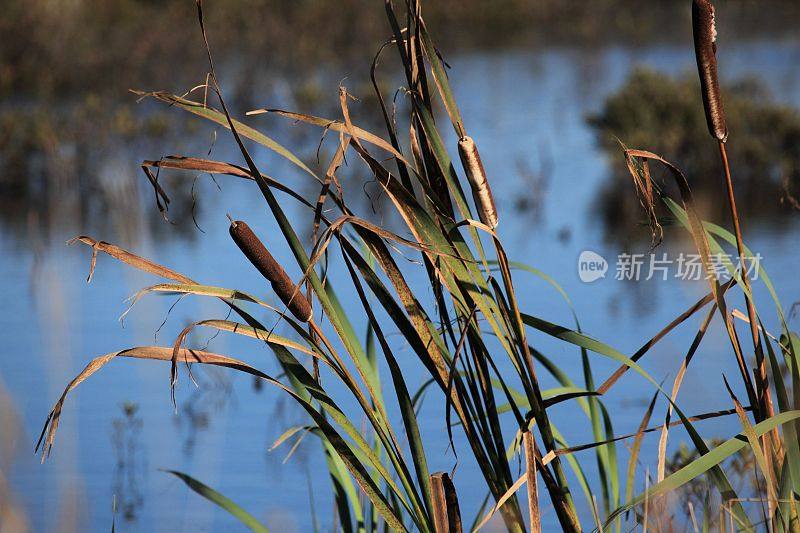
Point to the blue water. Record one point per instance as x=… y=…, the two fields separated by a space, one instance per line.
x=526 y=110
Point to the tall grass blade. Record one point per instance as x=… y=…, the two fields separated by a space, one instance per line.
x=221 y=501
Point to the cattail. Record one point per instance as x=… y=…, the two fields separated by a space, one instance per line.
x=257 y=253
x=476 y=175
x=705 y=48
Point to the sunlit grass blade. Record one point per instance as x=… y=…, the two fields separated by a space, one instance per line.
x=755 y=446
x=338 y=126
x=707 y=461
x=201 y=110
x=633 y=459
x=221 y=501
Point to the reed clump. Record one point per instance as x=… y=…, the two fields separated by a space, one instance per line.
x=465 y=331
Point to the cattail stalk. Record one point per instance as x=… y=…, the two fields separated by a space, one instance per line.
x=259 y=256
x=705 y=37
x=705 y=47
x=481 y=192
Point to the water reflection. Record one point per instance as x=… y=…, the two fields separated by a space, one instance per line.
x=532 y=194
x=131 y=463
x=212 y=393
x=72 y=135
x=11 y=515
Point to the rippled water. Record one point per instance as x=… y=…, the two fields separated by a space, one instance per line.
x=527 y=111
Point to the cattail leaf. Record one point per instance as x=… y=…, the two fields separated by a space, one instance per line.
x=325 y=292
x=676 y=385
x=512 y=490
x=201 y=110
x=201 y=290
x=701 y=241
x=129 y=258
x=415 y=324
x=339 y=321
x=338 y=416
x=575 y=466
x=714 y=229
x=477 y=316
x=258 y=333
x=345 y=494
x=221 y=501
x=199 y=356
x=47 y=436
x=755 y=446
x=357 y=469
x=337 y=126
x=460 y=281
x=601 y=348
x=708 y=460
x=651 y=429
x=441 y=80
x=791 y=443
x=443 y=161
x=584 y=341
x=218 y=167
x=302 y=381
x=636 y=447
x=647 y=346
x=406 y=408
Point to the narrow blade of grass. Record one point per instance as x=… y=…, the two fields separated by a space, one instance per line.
x=221 y=501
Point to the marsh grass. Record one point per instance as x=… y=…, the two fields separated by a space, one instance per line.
x=468 y=326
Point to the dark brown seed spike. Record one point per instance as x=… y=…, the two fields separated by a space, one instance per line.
x=255 y=251
x=705 y=47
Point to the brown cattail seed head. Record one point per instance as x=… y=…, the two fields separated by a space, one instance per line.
x=476 y=175
x=257 y=253
x=705 y=48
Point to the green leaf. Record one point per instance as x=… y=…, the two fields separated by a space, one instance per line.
x=215 y=497
x=707 y=461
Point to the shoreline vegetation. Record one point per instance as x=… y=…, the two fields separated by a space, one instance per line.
x=661 y=112
x=113 y=46
x=468 y=331
x=65 y=75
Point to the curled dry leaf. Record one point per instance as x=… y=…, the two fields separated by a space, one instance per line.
x=159 y=353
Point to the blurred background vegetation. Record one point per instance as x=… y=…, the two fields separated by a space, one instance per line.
x=66 y=67
x=654 y=110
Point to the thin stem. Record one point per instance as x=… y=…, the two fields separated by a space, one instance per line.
x=751 y=312
x=764 y=396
